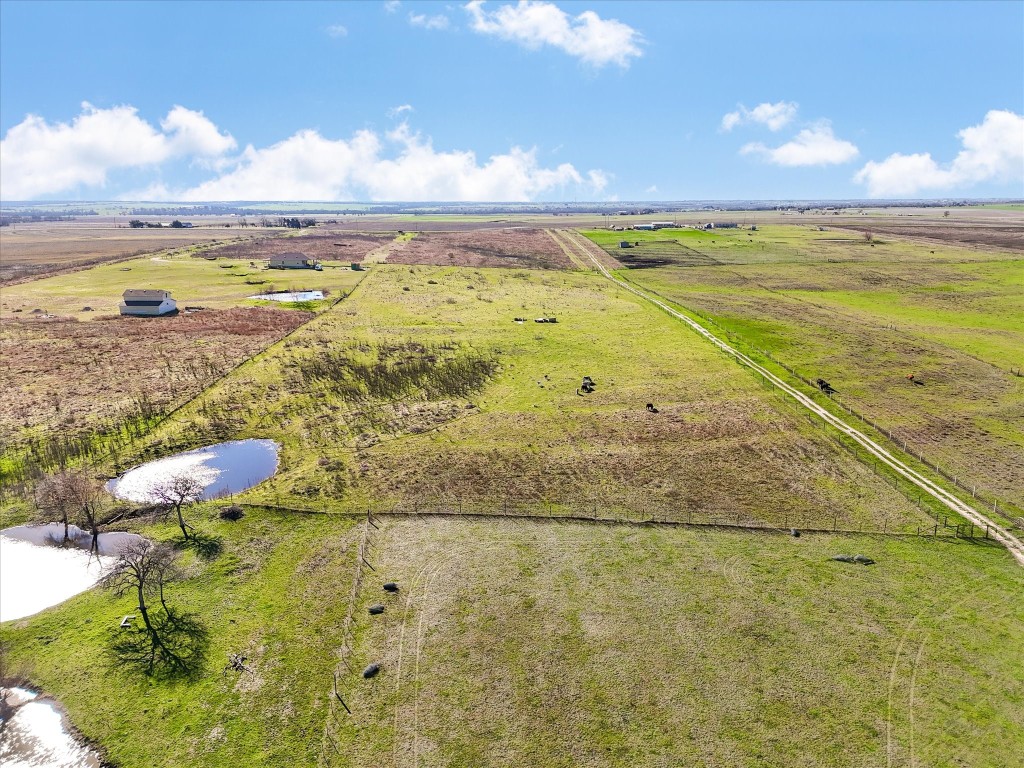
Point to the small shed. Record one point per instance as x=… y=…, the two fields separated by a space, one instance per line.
x=148 y=302
x=293 y=260
x=625 y=244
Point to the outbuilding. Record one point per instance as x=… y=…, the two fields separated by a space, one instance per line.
x=148 y=302
x=293 y=260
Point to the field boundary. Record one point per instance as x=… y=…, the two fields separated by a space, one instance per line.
x=948 y=499
x=433 y=509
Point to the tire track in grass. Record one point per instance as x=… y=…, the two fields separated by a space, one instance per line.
x=946 y=498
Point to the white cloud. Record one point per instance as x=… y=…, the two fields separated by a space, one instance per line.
x=401 y=165
x=535 y=23
x=651 y=190
x=40 y=158
x=774 y=116
x=439 y=21
x=192 y=133
x=337 y=30
x=391 y=6
x=399 y=110
x=816 y=145
x=992 y=151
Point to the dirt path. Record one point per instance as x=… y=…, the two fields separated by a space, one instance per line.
x=1003 y=536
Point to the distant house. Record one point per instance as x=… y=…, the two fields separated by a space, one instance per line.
x=148 y=302
x=293 y=260
x=662 y=224
x=643 y=226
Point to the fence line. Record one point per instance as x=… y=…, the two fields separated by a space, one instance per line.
x=904 y=444
x=488 y=510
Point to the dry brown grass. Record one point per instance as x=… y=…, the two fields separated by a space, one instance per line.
x=339 y=247
x=68 y=375
x=518 y=248
x=36 y=250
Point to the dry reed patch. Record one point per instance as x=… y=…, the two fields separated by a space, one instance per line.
x=66 y=375
x=514 y=248
x=339 y=247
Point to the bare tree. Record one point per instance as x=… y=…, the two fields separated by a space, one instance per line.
x=168 y=642
x=55 y=496
x=71 y=494
x=142 y=568
x=177 y=492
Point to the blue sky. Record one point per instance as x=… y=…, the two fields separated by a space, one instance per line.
x=512 y=101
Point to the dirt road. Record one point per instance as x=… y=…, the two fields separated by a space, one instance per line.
x=969 y=513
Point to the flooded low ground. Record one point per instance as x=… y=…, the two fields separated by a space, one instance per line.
x=222 y=469
x=33 y=733
x=290 y=296
x=38 y=570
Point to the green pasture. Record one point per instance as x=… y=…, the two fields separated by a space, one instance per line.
x=556 y=644
x=720 y=447
x=213 y=283
x=954 y=321
x=779 y=244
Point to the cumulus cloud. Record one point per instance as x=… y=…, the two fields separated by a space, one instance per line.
x=535 y=23
x=400 y=165
x=40 y=158
x=816 y=145
x=438 y=21
x=391 y=6
x=774 y=116
x=337 y=30
x=992 y=151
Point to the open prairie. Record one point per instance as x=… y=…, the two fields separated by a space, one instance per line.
x=593 y=578
x=34 y=249
x=421 y=387
x=548 y=643
x=864 y=315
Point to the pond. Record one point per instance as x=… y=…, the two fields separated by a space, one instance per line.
x=290 y=296
x=37 y=572
x=223 y=469
x=33 y=732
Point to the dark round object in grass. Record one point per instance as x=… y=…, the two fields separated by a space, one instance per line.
x=234 y=512
x=376 y=609
x=390 y=587
x=794 y=533
x=371 y=670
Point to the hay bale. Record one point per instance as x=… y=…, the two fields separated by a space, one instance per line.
x=376 y=609
x=390 y=587
x=371 y=670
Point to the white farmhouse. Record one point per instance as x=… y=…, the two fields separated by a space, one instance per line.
x=149 y=302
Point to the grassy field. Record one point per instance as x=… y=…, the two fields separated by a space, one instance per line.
x=559 y=644
x=430 y=395
x=487 y=413
x=217 y=283
x=34 y=249
x=950 y=318
x=70 y=373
